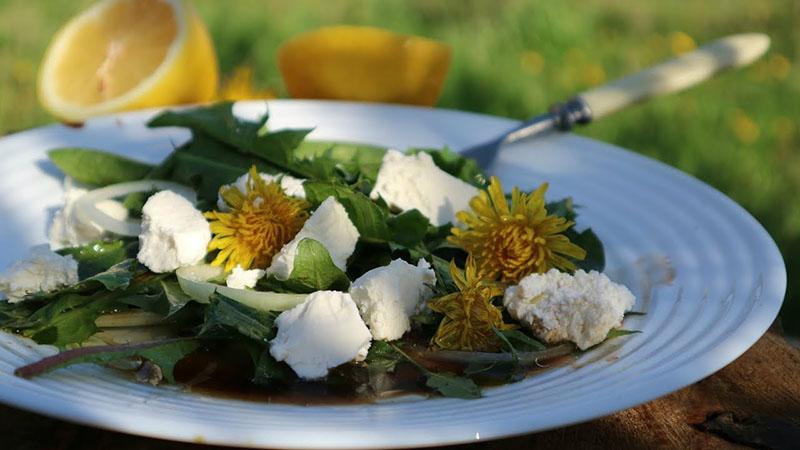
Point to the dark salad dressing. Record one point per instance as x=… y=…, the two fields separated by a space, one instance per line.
x=228 y=372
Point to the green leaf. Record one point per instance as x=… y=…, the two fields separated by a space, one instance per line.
x=67 y=320
x=520 y=341
x=223 y=314
x=408 y=228
x=97 y=168
x=459 y=166
x=174 y=295
x=353 y=159
x=207 y=164
x=245 y=137
x=269 y=371
x=451 y=385
x=98 y=256
x=216 y=121
x=595 y=254
x=562 y=208
x=118 y=276
x=382 y=357
x=617 y=332
x=278 y=148
x=368 y=217
x=447 y=384
x=165 y=354
x=314 y=269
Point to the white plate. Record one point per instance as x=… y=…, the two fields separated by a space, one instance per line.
x=729 y=285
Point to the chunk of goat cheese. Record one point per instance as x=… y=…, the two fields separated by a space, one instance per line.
x=323 y=332
x=42 y=271
x=241 y=279
x=557 y=306
x=416 y=182
x=387 y=296
x=174 y=233
x=330 y=225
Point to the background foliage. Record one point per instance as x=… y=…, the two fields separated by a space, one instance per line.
x=512 y=58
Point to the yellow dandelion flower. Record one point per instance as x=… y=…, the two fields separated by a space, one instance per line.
x=469 y=315
x=532 y=62
x=261 y=221
x=511 y=242
x=745 y=128
x=779 y=66
x=681 y=42
x=239 y=86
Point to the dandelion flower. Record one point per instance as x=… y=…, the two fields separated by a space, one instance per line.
x=261 y=220
x=239 y=86
x=511 y=242
x=470 y=318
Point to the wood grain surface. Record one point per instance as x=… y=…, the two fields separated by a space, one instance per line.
x=753 y=402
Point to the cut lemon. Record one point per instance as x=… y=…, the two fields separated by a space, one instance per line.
x=365 y=64
x=128 y=54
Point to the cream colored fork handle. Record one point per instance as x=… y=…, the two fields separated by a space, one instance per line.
x=676 y=74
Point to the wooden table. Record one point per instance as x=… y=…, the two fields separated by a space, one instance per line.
x=753 y=402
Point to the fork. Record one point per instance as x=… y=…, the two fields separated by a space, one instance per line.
x=673 y=75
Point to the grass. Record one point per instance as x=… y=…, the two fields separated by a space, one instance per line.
x=739 y=132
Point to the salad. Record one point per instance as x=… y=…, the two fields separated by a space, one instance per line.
x=257 y=260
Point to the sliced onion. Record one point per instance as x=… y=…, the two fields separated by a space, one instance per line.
x=88 y=212
x=195 y=282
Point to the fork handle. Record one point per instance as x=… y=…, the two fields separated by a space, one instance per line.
x=677 y=73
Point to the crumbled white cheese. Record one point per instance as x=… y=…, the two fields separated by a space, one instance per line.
x=241 y=279
x=331 y=227
x=67 y=230
x=292 y=186
x=321 y=333
x=42 y=271
x=414 y=181
x=174 y=233
x=387 y=296
x=557 y=306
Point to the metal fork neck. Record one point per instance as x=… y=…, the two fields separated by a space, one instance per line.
x=561 y=117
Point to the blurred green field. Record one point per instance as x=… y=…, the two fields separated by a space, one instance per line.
x=739 y=132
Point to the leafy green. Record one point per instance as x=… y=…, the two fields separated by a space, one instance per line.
x=366 y=215
x=165 y=354
x=520 y=342
x=595 y=254
x=246 y=137
x=207 y=164
x=459 y=166
x=586 y=239
x=408 y=228
x=69 y=319
x=617 y=332
x=451 y=385
x=352 y=159
x=224 y=314
x=174 y=295
x=314 y=269
x=562 y=208
x=98 y=256
x=216 y=121
x=97 y=168
x=269 y=371
x=447 y=384
x=382 y=356
x=118 y=276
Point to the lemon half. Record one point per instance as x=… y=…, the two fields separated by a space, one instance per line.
x=128 y=54
x=364 y=63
